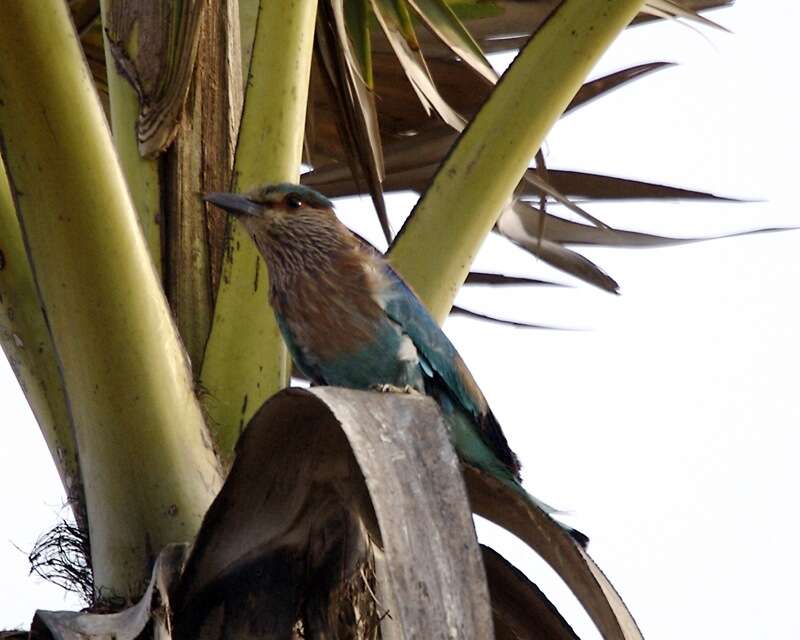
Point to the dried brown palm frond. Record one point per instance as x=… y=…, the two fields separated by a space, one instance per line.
x=373 y=89
x=413 y=145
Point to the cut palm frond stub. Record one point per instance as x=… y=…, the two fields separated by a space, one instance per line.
x=334 y=534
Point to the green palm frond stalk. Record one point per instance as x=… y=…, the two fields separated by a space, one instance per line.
x=26 y=341
x=246 y=360
x=148 y=469
x=141 y=174
x=479 y=176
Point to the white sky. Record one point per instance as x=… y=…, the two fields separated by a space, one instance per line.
x=669 y=427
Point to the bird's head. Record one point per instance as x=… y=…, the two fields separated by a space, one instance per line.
x=283 y=217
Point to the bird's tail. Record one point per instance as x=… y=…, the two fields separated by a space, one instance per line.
x=474 y=451
x=581 y=538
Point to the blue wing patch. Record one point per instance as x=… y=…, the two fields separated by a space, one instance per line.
x=441 y=363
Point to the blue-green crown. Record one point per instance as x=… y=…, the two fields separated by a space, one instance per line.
x=307 y=194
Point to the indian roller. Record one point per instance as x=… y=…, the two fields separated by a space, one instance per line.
x=349 y=320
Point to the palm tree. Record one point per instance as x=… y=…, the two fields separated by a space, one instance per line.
x=96 y=230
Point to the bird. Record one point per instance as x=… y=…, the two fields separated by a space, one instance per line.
x=349 y=320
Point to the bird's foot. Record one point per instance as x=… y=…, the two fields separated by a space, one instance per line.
x=390 y=388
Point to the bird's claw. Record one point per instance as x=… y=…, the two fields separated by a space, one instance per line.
x=390 y=388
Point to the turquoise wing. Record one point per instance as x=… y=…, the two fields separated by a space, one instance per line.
x=442 y=364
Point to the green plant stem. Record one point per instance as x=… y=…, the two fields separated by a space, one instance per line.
x=148 y=470
x=246 y=360
x=436 y=247
x=26 y=342
x=248 y=18
x=141 y=174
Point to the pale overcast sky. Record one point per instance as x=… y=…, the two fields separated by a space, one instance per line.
x=669 y=427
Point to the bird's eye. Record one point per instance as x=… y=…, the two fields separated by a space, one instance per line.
x=293 y=201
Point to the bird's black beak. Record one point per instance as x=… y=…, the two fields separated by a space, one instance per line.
x=233 y=203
